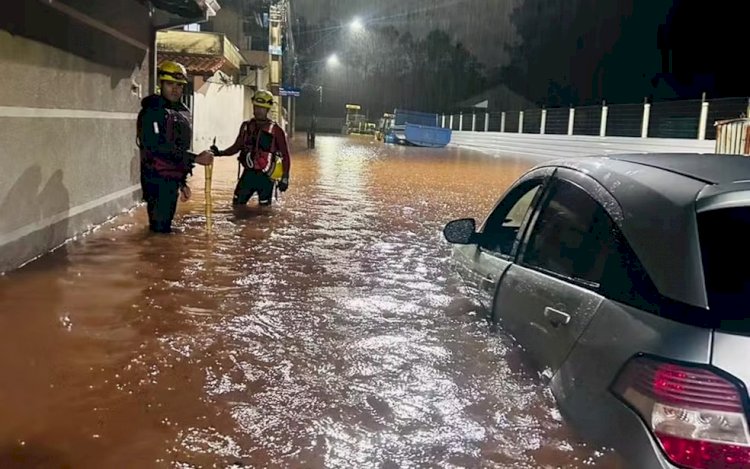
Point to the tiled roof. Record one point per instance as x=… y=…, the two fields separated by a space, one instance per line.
x=195 y=65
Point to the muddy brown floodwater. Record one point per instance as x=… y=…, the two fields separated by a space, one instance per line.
x=328 y=332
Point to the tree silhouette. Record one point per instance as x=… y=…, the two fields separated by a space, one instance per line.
x=581 y=52
x=383 y=69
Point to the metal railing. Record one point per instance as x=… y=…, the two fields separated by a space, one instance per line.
x=688 y=119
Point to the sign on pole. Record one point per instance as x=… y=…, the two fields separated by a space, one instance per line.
x=293 y=92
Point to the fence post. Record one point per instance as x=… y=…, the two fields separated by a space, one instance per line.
x=543 y=124
x=460 y=121
x=603 y=125
x=502 y=122
x=443 y=121
x=486 y=121
x=451 y=119
x=571 y=120
x=473 y=121
x=704 y=119
x=520 y=122
x=646 y=117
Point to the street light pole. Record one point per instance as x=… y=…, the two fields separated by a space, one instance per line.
x=291 y=115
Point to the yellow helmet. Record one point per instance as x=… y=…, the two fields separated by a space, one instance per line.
x=263 y=98
x=172 y=71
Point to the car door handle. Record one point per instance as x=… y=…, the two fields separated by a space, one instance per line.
x=555 y=317
x=487 y=282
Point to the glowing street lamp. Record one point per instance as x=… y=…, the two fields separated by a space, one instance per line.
x=356 y=25
x=333 y=60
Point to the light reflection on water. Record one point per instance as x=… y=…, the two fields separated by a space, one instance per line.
x=328 y=332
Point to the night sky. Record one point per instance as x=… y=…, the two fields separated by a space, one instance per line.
x=482 y=25
x=578 y=51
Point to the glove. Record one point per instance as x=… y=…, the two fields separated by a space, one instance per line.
x=283 y=184
x=215 y=150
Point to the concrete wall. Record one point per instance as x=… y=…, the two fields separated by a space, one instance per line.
x=205 y=44
x=72 y=73
x=260 y=72
x=218 y=112
x=229 y=22
x=560 y=146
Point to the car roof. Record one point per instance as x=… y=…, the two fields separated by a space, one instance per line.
x=657 y=194
x=710 y=168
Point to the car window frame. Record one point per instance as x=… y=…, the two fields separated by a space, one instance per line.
x=657 y=304
x=544 y=175
x=581 y=181
x=647 y=297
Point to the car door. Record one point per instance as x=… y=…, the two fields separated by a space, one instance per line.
x=482 y=265
x=550 y=295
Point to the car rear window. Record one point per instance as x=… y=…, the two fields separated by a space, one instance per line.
x=725 y=249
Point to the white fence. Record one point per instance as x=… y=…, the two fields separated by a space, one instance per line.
x=684 y=119
x=561 y=146
x=733 y=137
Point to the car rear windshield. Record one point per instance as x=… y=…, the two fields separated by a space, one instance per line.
x=725 y=248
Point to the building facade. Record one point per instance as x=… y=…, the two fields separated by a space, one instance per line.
x=75 y=73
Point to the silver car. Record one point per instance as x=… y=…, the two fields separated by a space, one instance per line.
x=627 y=280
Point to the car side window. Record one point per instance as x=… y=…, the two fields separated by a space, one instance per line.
x=576 y=238
x=625 y=278
x=572 y=236
x=502 y=226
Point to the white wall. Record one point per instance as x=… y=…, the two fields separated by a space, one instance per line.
x=561 y=146
x=69 y=99
x=218 y=111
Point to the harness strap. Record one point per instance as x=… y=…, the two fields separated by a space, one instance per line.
x=273 y=138
x=270 y=151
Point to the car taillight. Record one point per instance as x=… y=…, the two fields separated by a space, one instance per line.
x=696 y=415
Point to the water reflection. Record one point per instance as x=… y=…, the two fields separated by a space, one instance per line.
x=326 y=332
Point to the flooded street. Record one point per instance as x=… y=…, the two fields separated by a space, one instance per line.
x=329 y=331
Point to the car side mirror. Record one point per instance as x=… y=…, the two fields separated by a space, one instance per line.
x=462 y=231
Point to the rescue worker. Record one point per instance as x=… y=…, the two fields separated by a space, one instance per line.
x=164 y=138
x=263 y=154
